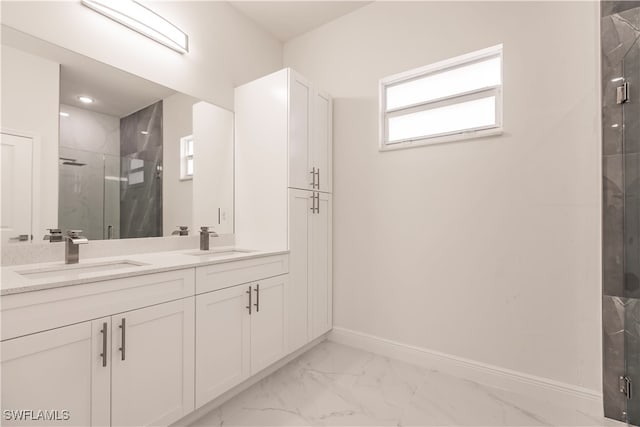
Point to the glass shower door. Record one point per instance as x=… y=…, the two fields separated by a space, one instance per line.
x=81 y=196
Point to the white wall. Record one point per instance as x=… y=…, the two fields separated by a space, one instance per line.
x=177 y=195
x=486 y=249
x=30 y=103
x=226 y=48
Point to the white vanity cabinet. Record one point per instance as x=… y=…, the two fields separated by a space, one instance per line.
x=223 y=334
x=240 y=331
x=145 y=350
x=269 y=322
x=132 y=367
x=60 y=369
x=241 y=328
x=152 y=364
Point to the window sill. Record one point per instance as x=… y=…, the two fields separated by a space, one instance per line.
x=440 y=139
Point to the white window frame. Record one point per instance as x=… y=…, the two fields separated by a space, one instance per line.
x=462 y=60
x=184 y=158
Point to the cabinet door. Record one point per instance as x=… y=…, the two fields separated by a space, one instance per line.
x=223 y=328
x=300 y=204
x=320 y=277
x=268 y=322
x=299 y=137
x=58 y=370
x=321 y=142
x=152 y=379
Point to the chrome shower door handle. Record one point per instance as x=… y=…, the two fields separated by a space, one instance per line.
x=318 y=180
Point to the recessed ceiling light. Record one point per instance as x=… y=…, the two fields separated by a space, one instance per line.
x=615 y=125
x=617 y=79
x=85 y=99
x=144 y=132
x=63 y=114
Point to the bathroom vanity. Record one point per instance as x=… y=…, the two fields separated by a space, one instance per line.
x=156 y=334
x=145 y=342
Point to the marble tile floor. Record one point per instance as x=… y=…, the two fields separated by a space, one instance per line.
x=336 y=385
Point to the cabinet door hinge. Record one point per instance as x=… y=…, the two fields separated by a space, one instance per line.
x=626 y=387
x=622 y=93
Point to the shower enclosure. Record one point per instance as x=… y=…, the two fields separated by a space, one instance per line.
x=109 y=197
x=89 y=193
x=620 y=35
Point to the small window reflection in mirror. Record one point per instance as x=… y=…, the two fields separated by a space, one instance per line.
x=186 y=157
x=136 y=171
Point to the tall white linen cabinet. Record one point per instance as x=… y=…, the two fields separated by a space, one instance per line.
x=283 y=179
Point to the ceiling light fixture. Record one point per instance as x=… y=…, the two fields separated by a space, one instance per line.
x=145 y=21
x=85 y=99
x=63 y=114
x=144 y=132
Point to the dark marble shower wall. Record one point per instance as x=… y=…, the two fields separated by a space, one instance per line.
x=620 y=33
x=141 y=188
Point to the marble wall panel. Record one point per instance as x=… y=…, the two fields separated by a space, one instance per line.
x=141 y=169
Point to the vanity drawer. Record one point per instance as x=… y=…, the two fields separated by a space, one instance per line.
x=31 y=312
x=219 y=276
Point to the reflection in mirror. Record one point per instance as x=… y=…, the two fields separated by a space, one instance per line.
x=87 y=146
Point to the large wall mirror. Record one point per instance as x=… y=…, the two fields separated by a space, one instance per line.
x=88 y=146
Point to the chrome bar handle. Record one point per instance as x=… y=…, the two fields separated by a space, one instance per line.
x=103 y=331
x=257 y=304
x=318 y=173
x=313 y=203
x=123 y=327
x=318 y=204
x=249 y=306
x=313 y=176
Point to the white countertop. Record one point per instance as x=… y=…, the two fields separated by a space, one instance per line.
x=14 y=283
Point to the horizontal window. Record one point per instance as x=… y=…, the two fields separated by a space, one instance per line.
x=454 y=99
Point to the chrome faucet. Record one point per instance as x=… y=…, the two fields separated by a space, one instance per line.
x=204 y=237
x=73 y=240
x=183 y=231
x=55 y=235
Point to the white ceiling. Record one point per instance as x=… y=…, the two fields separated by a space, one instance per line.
x=288 y=19
x=115 y=92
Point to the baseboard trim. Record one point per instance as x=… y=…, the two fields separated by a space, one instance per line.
x=208 y=407
x=568 y=395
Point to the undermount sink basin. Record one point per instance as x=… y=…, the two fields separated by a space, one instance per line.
x=67 y=269
x=217 y=253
